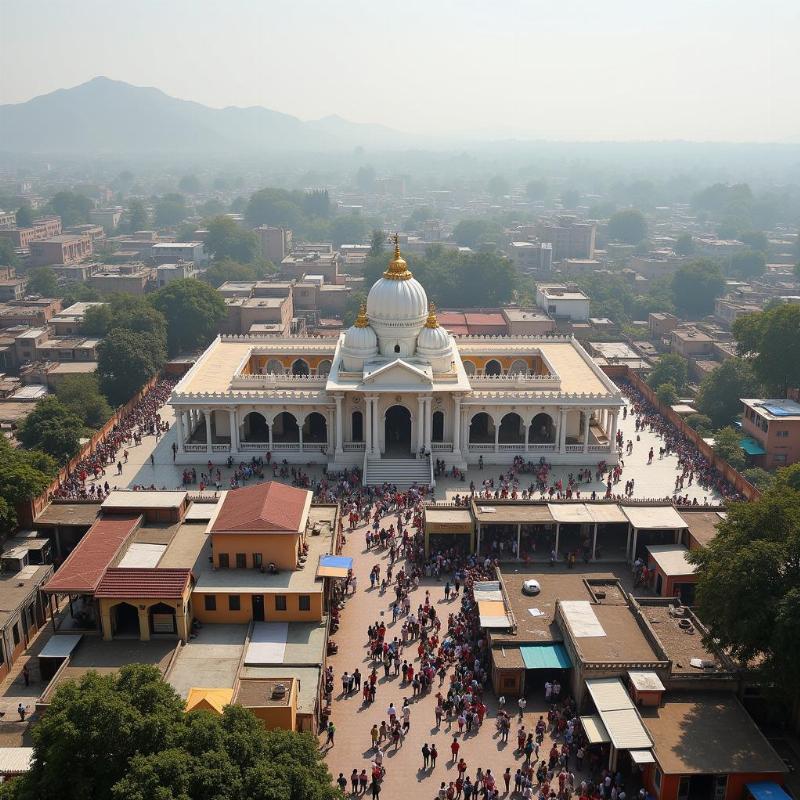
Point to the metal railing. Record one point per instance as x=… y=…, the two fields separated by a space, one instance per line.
x=600 y=448
x=442 y=447
x=353 y=447
x=195 y=448
x=573 y=448
x=220 y=448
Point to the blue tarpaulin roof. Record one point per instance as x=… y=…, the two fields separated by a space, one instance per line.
x=336 y=561
x=545 y=656
x=751 y=447
x=767 y=790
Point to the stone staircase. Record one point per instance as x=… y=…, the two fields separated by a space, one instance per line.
x=400 y=471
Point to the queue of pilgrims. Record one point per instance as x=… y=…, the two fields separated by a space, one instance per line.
x=450 y=658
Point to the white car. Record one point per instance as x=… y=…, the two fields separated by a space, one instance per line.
x=531 y=587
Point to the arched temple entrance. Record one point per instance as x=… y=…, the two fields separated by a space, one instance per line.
x=542 y=430
x=398 y=431
x=255 y=428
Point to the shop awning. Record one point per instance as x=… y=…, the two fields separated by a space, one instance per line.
x=767 y=790
x=594 y=729
x=487 y=590
x=448 y=520
x=334 y=566
x=751 y=447
x=545 y=656
x=642 y=756
x=60 y=645
x=654 y=518
x=493 y=614
x=570 y=513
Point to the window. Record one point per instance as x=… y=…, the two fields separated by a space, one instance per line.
x=509 y=683
x=280 y=602
x=657 y=778
x=305 y=602
x=224 y=561
x=720 y=787
x=358 y=427
x=15 y=633
x=397 y=348
x=683 y=787
x=234 y=602
x=782 y=434
x=257 y=560
x=210 y=602
x=241 y=561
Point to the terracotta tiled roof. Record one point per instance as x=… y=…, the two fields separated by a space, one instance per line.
x=268 y=506
x=484 y=319
x=144 y=582
x=85 y=565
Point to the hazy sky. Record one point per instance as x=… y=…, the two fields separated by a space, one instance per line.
x=577 y=69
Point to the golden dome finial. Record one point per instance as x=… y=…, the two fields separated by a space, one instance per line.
x=361 y=319
x=432 y=322
x=398 y=269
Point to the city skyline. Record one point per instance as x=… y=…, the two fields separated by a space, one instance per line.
x=714 y=72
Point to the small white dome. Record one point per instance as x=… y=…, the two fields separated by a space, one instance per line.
x=361 y=339
x=432 y=340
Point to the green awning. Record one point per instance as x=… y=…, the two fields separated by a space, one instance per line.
x=751 y=447
x=545 y=656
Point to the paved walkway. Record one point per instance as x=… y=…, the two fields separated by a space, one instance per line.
x=353 y=720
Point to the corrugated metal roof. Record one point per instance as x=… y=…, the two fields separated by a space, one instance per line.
x=671 y=559
x=654 y=517
x=594 y=729
x=569 y=512
x=606 y=513
x=545 y=656
x=608 y=694
x=625 y=728
x=642 y=757
x=60 y=645
x=85 y=565
x=644 y=681
x=581 y=618
x=151 y=584
x=15 y=760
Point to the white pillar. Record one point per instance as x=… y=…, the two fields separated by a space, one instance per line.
x=233 y=429
x=269 y=429
x=527 y=432
x=300 y=433
x=428 y=423
x=376 y=437
x=562 y=430
x=496 y=435
x=339 y=443
x=456 y=424
x=420 y=423
x=612 y=435
x=558 y=532
x=594 y=542
x=207 y=417
x=587 y=415
x=519 y=540
x=179 y=429
x=368 y=412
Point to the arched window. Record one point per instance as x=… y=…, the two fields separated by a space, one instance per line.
x=518 y=366
x=512 y=430
x=397 y=348
x=542 y=430
x=254 y=428
x=469 y=368
x=492 y=367
x=481 y=429
x=300 y=367
x=324 y=367
x=357 y=421
x=285 y=428
x=315 y=428
x=274 y=367
x=437 y=427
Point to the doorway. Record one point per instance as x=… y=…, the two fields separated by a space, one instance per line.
x=398 y=432
x=125 y=621
x=258 y=607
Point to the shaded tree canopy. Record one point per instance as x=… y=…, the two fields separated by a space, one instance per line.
x=124 y=736
x=24 y=474
x=24 y=216
x=225 y=238
x=193 y=311
x=772 y=338
x=135 y=217
x=695 y=287
x=43 y=281
x=726 y=445
x=81 y=395
x=125 y=311
x=748 y=590
x=747 y=264
x=73 y=208
x=670 y=368
x=475 y=232
x=721 y=391
x=170 y=210
x=52 y=428
x=628 y=225
x=126 y=360
x=8 y=256
x=684 y=245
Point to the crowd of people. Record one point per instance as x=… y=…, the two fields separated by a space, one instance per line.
x=87 y=480
x=445 y=654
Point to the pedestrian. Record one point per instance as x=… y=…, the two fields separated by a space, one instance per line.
x=426 y=755
x=331 y=731
x=522 y=703
x=22 y=711
x=507 y=778
x=376 y=789
x=342 y=781
x=374 y=736
x=26 y=675
x=454 y=747
x=434 y=754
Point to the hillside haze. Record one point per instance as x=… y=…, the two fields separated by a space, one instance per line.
x=104 y=116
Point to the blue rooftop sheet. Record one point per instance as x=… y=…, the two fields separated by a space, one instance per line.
x=751 y=446
x=545 y=656
x=345 y=562
x=767 y=790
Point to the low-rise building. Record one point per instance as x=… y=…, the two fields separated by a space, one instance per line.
x=123 y=278
x=771 y=431
x=166 y=273
x=68 y=321
x=172 y=252
x=108 y=218
x=563 y=302
x=690 y=342
x=66 y=248
x=276 y=242
x=12 y=289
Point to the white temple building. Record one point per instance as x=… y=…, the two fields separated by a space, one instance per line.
x=395 y=391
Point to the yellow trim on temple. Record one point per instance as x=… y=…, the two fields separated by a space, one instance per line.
x=432 y=322
x=398 y=269
x=361 y=319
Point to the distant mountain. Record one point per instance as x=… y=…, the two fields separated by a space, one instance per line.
x=104 y=116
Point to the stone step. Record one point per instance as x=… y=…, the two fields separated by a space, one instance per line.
x=400 y=471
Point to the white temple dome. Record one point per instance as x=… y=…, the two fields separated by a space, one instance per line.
x=397 y=297
x=433 y=340
x=360 y=337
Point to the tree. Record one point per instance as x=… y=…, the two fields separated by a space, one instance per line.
x=317 y=203
x=226 y=270
x=352 y=306
x=24 y=474
x=126 y=360
x=772 y=338
x=684 y=245
x=81 y=395
x=759 y=477
x=170 y=210
x=125 y=311
x=274 y=207
x=475 y=232
x=135 y=217
x=73 y=208
x=8 y=255
x=78 y=293
x=417 y=217
x=570 y=198
x=193 y=311
x=189 y=184
x=225 y=238
x=721 y=391
x=537 y=190
x=756 y=555
x=24 y=216
x=52 y=428
x=699 y=422
x=757 y=240
x=628 y=225
x=124 y=736
x=666 y=394
x=377 y=242
x=747 y=264
x=695 y=287
x=670 y=368
x=348 y=229
x=43 y=281
x=497 y=186
x=726 y=445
